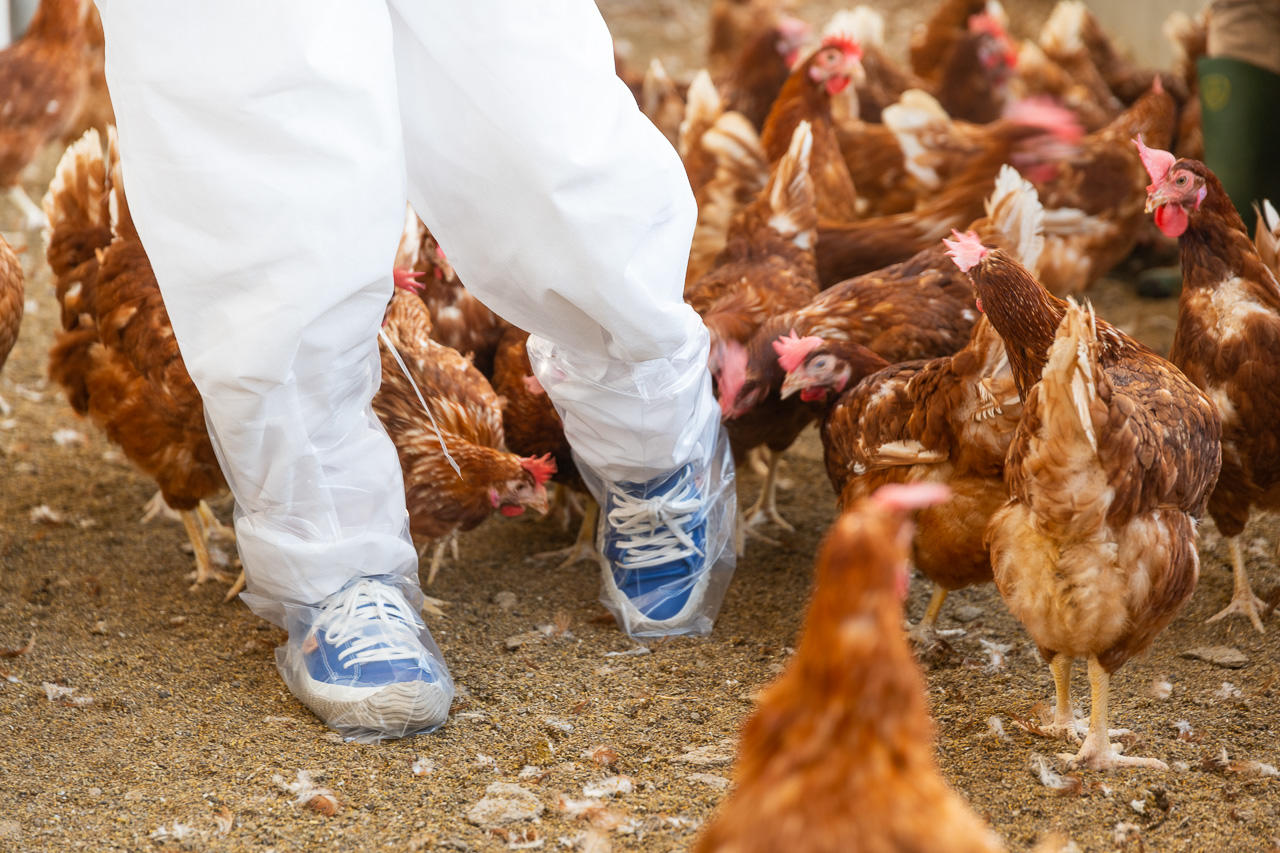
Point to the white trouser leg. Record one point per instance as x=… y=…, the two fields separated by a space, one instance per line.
x=567 y=212
x=263 y=163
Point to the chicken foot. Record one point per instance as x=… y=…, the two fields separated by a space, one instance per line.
x=1098 y=752
x=765 y=509
x=1243 y=601
x=1064 y=719
x=925 y=632
x=584 y=547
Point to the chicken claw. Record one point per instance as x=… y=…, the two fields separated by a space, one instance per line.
x=1243 y=601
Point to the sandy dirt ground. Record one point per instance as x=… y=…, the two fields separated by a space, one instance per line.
x=146 y=717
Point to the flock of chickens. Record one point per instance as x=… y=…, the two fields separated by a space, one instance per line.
x=851 y=206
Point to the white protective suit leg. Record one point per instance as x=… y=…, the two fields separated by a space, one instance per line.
x=565 y=210
x=264 y=166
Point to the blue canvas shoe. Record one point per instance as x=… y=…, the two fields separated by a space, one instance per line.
x=362 y=667
x=655 y=547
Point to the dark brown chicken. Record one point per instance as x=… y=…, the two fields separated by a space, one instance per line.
x=754 y=81
x=839 y=753
x=948 y=420
x=117 y=357
x=1226 y=341
x=1114 y=460
x=43 y=77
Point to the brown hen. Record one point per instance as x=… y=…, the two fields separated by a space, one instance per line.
x=766 y=268
x=1113 y=461
x=1226 y=341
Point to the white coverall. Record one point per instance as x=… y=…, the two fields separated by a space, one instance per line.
x=267 y=152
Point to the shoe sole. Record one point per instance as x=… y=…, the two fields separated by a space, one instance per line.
x=397 y=710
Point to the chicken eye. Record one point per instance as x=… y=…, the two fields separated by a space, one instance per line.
x=822 y=362
x=1180 y=181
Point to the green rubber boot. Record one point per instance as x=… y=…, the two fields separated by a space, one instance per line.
x=1240 y=115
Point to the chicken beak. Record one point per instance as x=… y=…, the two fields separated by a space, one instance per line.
x=540 y=502
x=793 y=384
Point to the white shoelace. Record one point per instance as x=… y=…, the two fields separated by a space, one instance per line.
x=365 y=601
x=655 y=526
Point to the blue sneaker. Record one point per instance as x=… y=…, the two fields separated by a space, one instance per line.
x=654 y=544
x=362 y=667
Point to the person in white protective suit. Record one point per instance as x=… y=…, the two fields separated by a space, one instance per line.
x=267 y=152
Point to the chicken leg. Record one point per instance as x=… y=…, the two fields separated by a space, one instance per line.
x=1097 y=752
x=1243 y=601
x=200 y=545
x=925 y=631
x=766 y=507
x=1064 y=719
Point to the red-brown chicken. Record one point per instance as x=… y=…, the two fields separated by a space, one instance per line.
x=460 y=424
x=948 y=420
x=1226 y=341
x=806 y=97
x=839 y=755
x=11 y=304
x=458 y=319
x=117 y=357
x=1112 y=463
x=42 y=80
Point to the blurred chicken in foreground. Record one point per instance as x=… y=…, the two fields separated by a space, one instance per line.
x=839 y=753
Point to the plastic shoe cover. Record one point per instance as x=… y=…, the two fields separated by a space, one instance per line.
x=365 y=663
x=667 y=547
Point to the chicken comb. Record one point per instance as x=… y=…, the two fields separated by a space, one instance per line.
x=792 y=349
x=966 y=249
x=987 y=24
x=1157 y=162
x=1044 y=113
x=908 y=496
x=540 y=467
x=845 y=42
x=733 y=374
x=409 y=280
